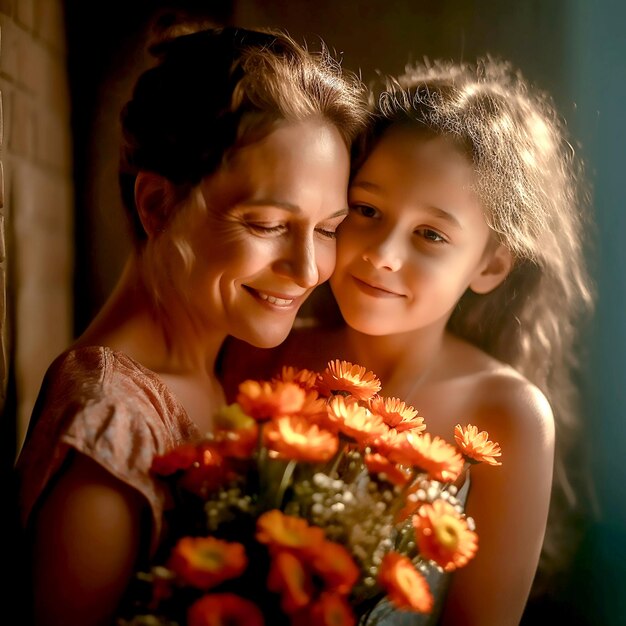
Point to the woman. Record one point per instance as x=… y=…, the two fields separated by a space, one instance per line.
x=234 y=173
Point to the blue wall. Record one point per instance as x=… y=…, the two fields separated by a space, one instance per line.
x=596 y=80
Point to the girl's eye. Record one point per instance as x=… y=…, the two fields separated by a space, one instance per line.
x=431 y=235
x=365 y=210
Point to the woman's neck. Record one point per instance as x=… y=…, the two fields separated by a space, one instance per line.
x=167 y=343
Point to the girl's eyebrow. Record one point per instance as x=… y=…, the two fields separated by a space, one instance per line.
x=445 y=215
x=436 y=211
x=366 y=185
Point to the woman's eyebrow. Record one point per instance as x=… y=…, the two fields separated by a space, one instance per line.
x=288 y=206
x=279 y=204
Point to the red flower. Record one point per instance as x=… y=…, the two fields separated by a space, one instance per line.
x=209 y=471
x=224 y=609
x=204 y=562
x=331 y=609
x=335 y=566
x=180 y=458
x=289 y=577
x=405 y=586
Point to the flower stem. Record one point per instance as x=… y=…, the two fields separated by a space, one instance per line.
x=334 y=464
x=284 y=482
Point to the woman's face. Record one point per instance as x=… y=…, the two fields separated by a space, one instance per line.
x=415 y=238
x=267 y=237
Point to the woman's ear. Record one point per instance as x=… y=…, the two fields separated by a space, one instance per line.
x=494 y=270
x=153 y=199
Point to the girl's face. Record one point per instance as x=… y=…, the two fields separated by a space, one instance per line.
x=415 y=239
x=267 y=236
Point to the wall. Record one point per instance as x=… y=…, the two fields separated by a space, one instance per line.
x=37 y=213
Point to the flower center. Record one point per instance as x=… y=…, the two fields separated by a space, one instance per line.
x=447 y=530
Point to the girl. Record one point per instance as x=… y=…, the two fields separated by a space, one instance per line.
x=234 y=173
x=460 y=278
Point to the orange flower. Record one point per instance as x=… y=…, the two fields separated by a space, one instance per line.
x=278 y=530
x=303 y=377
x=294 y=437
x=263 y=400
x=393 y=473
x=330 y=609
x=355 y=421
x=335 y=566
x=443 y=535
x=204 y=562
x=353 y=379
x=441 y=460
x=405 y=586
x=314 y=408
x=476 y=446
x=288 y=577
x=224 y=609
x=396 y=414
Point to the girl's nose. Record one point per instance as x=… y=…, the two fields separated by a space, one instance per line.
x=384 y=255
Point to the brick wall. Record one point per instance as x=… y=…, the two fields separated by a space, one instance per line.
x=37 y=204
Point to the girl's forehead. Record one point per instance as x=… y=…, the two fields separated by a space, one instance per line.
x=402 y=152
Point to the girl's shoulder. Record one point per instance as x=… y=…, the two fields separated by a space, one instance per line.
x=498 y=398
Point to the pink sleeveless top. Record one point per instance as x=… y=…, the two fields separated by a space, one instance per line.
x=105 y=405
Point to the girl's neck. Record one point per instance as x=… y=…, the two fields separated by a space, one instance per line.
x=402 y=361
x=131 y=322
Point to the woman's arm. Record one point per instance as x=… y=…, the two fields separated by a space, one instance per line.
x=510 y=506
x=86 y=542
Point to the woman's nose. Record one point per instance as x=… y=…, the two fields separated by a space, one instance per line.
x=300 y=263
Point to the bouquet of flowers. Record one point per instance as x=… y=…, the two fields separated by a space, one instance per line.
x=314 y=498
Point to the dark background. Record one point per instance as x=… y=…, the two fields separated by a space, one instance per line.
x=575 y=49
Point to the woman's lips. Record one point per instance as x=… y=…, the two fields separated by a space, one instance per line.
x=375 y=290
x=275 y=300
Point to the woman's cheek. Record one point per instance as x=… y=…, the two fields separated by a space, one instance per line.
x=326 y=260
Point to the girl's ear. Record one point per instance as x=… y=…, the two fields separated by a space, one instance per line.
x=494 y=270
x=153 y=199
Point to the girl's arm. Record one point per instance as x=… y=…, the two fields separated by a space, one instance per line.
x=510 y=506
x=86 y=542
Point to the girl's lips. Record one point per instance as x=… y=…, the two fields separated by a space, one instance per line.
x=374 y=290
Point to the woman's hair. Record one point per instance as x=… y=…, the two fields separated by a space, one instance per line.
x=217 y=89
x=532 y=189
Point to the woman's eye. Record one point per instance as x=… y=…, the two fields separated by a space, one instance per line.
x=266 y=228
x=326 y=232
x=431 y=235
x=365 y=210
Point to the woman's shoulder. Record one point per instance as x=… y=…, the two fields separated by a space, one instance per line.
x=103 y=405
